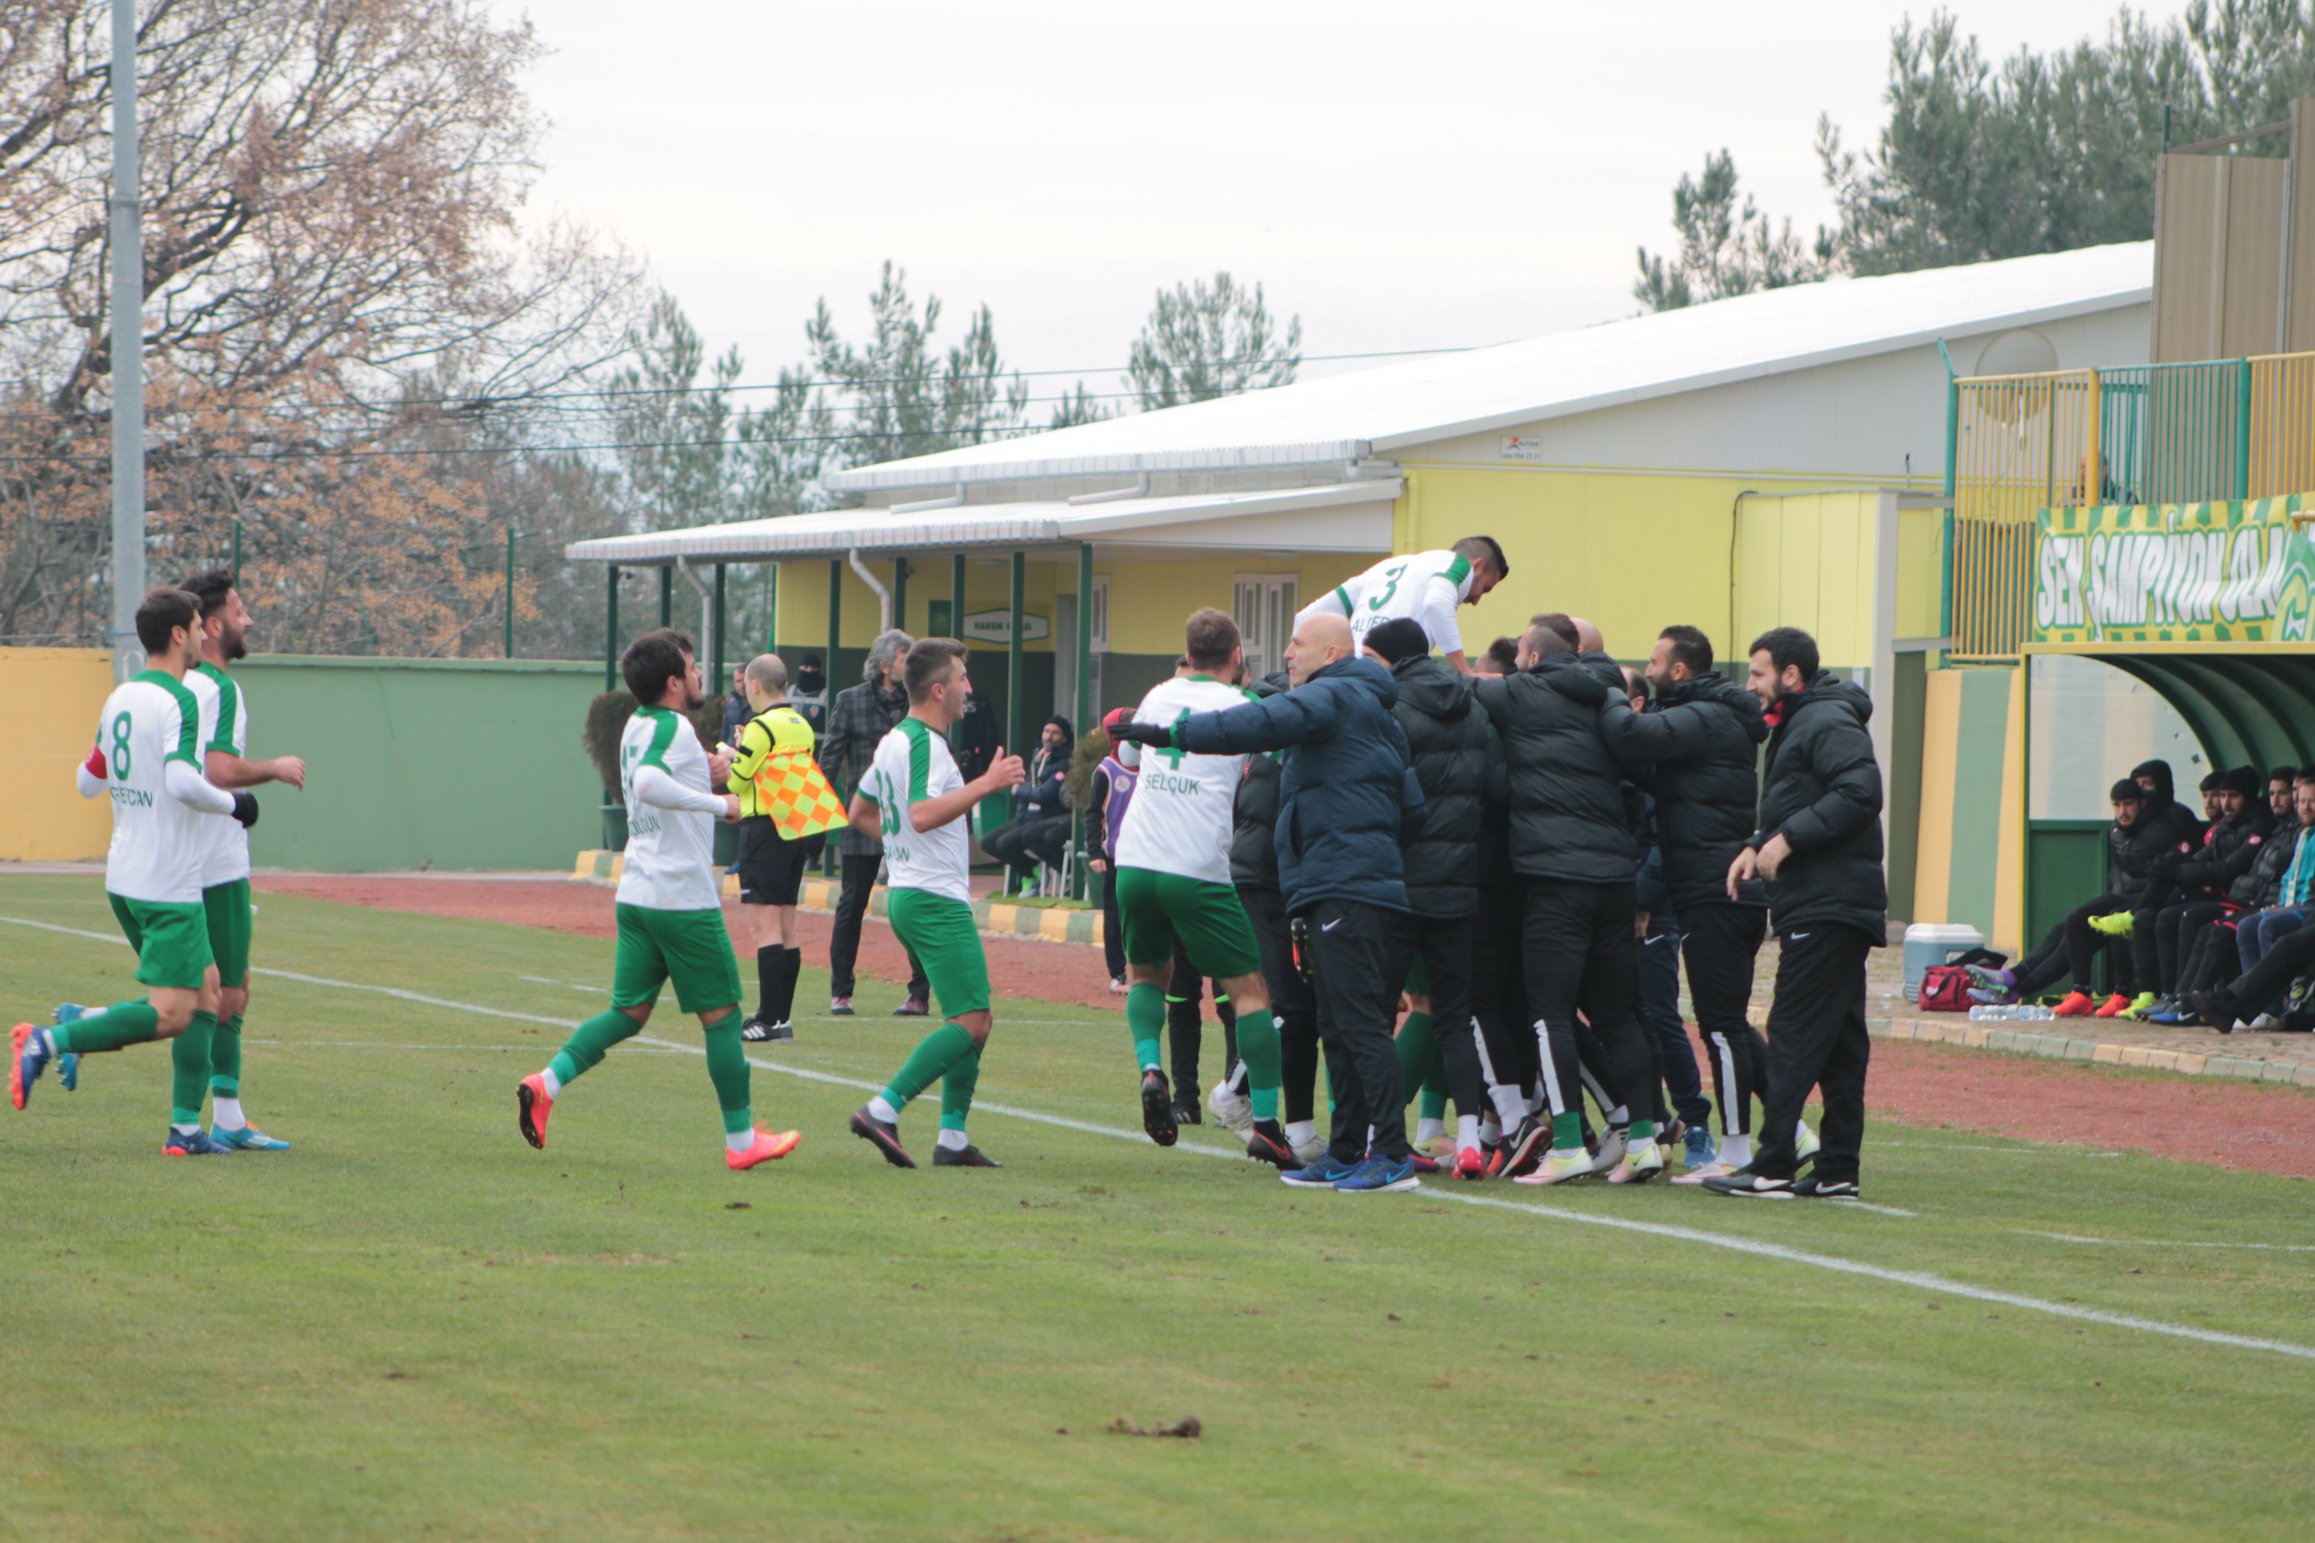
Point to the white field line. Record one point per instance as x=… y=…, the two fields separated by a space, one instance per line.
x=1918 y=1280
x=2071 y=1237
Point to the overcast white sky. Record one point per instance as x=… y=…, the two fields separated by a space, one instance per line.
x=1403 y=176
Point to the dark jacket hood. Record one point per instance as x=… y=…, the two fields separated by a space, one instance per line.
x=1365 y=674
x=1572 y=678
x=2165 y=788
x=1712 y=686
x=1433 y=688
x=1828 y=691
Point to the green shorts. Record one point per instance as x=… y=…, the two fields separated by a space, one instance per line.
x=946 y=940
x=171 y=940
x=227 y=907
x=691 y=947
x=1159 y=909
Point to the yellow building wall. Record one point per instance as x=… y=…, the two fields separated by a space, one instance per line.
x=1811 y=562
x=55 y=697
x=1920 y=573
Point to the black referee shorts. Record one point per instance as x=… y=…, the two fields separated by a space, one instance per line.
x=771 y=870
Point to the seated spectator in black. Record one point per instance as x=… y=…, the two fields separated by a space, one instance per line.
x=2211 y=786
x=1040 y=829
x=2163 y=810
x=2186 y=893
x=2072 y=946
x=2280 y=799
x=2210 y=955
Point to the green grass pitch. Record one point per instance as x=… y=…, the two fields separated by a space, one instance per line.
x=413 y=1325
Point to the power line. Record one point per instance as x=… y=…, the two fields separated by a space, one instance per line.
x=164 y=453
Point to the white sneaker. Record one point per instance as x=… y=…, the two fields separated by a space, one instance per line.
x=1640 y=1164
x=1711 y=1170
x=2265 y=1023
x=1231 y=1111
x=1805 y=1143
x=1559 y=1167
x=1614 y=1146
x=1308 y=1152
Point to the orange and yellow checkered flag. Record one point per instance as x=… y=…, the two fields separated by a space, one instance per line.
x=794 y=793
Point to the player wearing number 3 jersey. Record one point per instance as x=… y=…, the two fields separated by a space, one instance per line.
x=1173 y=885
x=1424 y=587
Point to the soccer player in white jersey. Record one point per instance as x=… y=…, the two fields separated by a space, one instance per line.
x=670 y=907
x=1425 y=587
x=148 y=758
x=1173 y=885
x=916 y=802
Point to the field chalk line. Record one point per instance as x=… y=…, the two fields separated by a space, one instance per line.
x=1917 y=1279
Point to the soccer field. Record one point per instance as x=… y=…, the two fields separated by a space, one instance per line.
x=413 y=1324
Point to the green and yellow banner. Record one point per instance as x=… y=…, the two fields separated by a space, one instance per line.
x=2241 y=572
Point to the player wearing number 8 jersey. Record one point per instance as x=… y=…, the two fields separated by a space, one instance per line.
x=1173 y=886
x=916 y=801
x=148 y=760
x=1424 y=588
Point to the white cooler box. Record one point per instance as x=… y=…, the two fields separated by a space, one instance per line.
x=1928 y=943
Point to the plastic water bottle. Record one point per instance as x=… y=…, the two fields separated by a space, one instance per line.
x=2009 y=1013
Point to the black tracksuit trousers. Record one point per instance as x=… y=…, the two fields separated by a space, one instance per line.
x=1817 y=1039
x=1359 y=955
x=1667 y=1031
x=844 y=940
x=1581 y=956
x=1291 y=1001
x=1499 y=989
x=1185 y=1028
x=2161 y=956
x=1721 y=945
x=2072 y=947
x=2285 y=960
x=1443 y=944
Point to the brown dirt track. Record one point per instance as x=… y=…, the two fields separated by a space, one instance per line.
x=2217 y=1121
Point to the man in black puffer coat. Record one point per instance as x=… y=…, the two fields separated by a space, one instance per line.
x=2185 y=893
x=1345 y=801
x=1819 y=848
x=1572 y=846
x=1456 y=758
x=1703 y=740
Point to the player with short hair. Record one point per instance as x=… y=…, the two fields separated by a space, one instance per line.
x=1424 y=587
x=1173 y=886
x=148 y=759
x=918 y=803
x=670 y=906
x=772 y=859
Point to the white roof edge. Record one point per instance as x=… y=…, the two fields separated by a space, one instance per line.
x=909 y=474
x=1387 y=443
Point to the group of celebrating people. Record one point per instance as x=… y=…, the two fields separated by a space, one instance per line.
x=2201 y=919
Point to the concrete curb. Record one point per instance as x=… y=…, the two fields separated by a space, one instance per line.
x=997 y=917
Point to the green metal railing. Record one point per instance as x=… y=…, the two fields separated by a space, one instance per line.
x=2174 y=433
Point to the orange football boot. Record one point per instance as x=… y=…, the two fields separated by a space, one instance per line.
x=769 y=1147
x=533 y=1103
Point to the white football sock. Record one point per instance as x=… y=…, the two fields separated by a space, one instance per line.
x=1466 y=1131
x=1299 y=1131
x=1429 y=1130
x=1620 y=1116
x=1510 y=1105
x=738 y=1140
x=1736 y=1151
x=227 y=1112
x=553 y=1082
x=954 y=1140
x=883 y=1111
x=1490 y=1130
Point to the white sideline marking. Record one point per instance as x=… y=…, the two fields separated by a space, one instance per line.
x=571 y=985
x=2069 y=1237
x=2041 y=1149
x=1917 y=1279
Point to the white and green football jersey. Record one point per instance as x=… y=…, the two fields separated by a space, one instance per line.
x=670 y=858
x=1425 y=586
x=224 y=726
x=913 y=764
x=1180 y=818
x=158 y=843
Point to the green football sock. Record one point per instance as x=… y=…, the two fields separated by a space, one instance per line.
x=1265 y=1062
x=189 y=1060
x=1414 y=1044
x=117 y=1027
x=928 y=1062
x=1145 y=1016
x=956 y=1089
x=727 y=1068
x=225 y=1057
x=1567 y=1130
x=1643 y=1131
x=590 y=1042
x=1434 y=1106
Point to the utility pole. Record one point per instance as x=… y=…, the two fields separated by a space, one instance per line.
x=128 y=352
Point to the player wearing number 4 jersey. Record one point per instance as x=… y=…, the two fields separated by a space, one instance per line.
x=916 y=802
x=1424 y=588
x=148 y=760
x=670 y=910
x=1173 y=886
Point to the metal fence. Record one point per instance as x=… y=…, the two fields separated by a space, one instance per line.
x=2021 y=443
x=2173 y=433
x=2282 y=424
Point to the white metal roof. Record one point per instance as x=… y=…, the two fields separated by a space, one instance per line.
x=1350 y=516
x=1372 y=412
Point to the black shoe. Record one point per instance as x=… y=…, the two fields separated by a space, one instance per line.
x=1157 y=1108
x=1526 y=1146
x=1813 y=1188
x=1267 y=1143
x=1187 y=1112
x=885 y=1138
x=2217 y=1009
x=963 y=1157
x=914 y=1007
x=1748 y=1185
x=759 y=1031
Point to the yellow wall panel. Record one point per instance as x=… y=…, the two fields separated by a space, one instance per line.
x=1940 y=746
x=56 y=696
